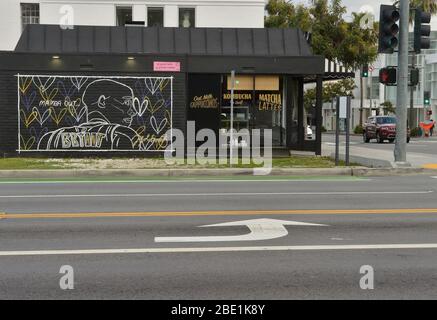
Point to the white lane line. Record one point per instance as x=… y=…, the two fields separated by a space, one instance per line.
x=227 y=194
x=185 y=181
x=343 y=143
x=220 y=249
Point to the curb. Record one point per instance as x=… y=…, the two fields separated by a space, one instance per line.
x=142 y=173
x=389 y=172
x=93 y=173
x=365 y=161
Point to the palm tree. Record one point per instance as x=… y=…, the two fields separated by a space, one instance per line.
x=426 y=5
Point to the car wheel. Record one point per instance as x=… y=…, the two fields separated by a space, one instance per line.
x=365 y=138
x=391 y=140
x=379 y=139
x=408 y=140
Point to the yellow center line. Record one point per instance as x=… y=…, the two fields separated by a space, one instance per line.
x=212 y=213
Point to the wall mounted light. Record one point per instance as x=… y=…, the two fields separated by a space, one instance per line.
x=56 y=57
x=130 y=58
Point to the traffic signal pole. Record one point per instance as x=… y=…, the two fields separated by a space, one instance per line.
x=400 y=153
x=412 y=88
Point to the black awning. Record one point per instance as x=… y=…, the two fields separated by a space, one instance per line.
x=155 y=40
x=216 y=50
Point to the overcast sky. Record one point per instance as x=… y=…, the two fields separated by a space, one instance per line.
x=356 y=5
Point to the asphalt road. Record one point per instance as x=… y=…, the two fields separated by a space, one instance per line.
x=416 y=145
x=389 y=224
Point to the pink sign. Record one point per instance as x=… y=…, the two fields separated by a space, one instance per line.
x=166 y=66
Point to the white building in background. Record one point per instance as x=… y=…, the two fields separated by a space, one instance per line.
x=427 y=64
x=376 y=93
x=15 y=14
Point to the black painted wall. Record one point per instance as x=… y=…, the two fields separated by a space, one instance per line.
x=8 y=114
x=10 y=66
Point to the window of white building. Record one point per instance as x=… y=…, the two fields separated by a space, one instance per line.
x=155 y=17
x=29 y=14
x=124 y=16
x=187 y=17
x=373 y=88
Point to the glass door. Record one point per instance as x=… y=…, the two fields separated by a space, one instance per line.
x=243 y=100
x=258 y=104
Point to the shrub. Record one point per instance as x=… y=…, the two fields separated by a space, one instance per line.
x=416 y=132
x=323 y=129
x=359 y=129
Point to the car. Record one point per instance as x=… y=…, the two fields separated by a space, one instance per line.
x=309 y=133
x=381 y=128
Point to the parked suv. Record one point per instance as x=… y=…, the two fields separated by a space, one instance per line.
x=381 y=128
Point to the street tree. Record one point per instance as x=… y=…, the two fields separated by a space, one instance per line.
x=426 y=5
x=388 y=107
x=360 y=49
x=338 y=40
x=331 y=90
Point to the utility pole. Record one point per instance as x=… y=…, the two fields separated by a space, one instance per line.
x=400 y=153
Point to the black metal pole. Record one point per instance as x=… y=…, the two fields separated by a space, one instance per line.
x=348 y=116
x=319 y=114
x=337 y=132
x=412 y=88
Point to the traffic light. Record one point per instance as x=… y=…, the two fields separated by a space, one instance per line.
x=387 y=76
x=388 y=29
x=427 y=98
x=365 y=72
x=422 y=30
x=414 y=77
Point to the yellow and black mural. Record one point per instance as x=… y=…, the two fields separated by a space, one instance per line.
x=92 y=113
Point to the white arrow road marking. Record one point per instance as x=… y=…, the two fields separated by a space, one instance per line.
x=221 y=249
x=260 y=229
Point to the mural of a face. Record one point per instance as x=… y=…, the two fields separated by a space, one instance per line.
x=109 y=101
x=93 y=113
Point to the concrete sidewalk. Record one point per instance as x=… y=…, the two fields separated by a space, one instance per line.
x=376 y=158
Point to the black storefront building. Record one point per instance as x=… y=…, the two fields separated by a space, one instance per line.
x=117 y=90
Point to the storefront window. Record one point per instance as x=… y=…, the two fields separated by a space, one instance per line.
x=268 y=107
x=187 y=17
x=155 y=17
x=258 y=104
x=243 y=97
x=242 y=83
x=267 y=83
x=293 y=105
x=310 y=123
